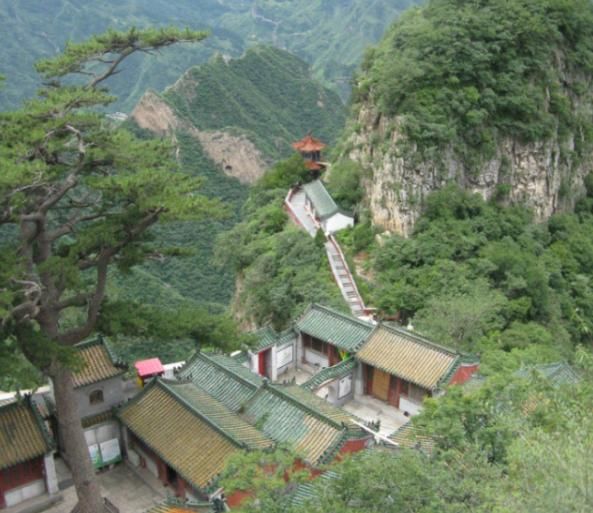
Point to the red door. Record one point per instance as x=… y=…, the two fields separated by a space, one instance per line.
x=263 y=360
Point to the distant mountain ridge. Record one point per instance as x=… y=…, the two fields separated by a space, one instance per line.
x=268 y=96
x=230 y=119
x=329 y=34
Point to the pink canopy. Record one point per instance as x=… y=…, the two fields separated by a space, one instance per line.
x=150 y=367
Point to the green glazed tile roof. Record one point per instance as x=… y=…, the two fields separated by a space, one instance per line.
x=323 y=203
x=222 y=377
x=308 y=491
x=339 y=329
x=267 y=337
x=221 y=416
x=287 y=420
x=295 y=416
x=235 y=367
x=330 y=373
x=240 y=357
x=558 y=373
x=325 y=408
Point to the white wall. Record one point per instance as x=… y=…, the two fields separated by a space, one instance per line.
x=285 y=358
x=337 y=222
x=358 y=378
x=254 y=362
x=22 y=493
x=170 y=369
x=51 y=477
x=313 y=358
x=113 y=394
x=411 y=407
x=101 y=433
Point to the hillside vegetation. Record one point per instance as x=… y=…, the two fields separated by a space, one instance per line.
x=281 y=268
x=466 y=101
x=268 y=94
x=329 y=35
x=469 y=73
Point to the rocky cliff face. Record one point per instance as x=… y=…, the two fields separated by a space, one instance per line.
x=495 y=96
x=544 y=175
x=234 y=154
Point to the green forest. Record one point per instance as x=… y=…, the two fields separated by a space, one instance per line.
x=108 y=229
x=270 y=97
x=330 y=36
x=467 y=74
x=280 y=267
x=268 y=94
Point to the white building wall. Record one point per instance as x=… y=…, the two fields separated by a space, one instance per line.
x=285 y=357
x=358 y=384
x=113 y=394
x=272 y=364
x=22 y=493
x=101 y=433
x=412 y=407
x=315 y=358
x=51 y=477
x=337 y=222
x=254 y=362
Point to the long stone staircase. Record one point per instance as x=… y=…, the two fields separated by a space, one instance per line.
x=295 y=205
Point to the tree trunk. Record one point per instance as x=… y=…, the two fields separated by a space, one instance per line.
x=72 y=436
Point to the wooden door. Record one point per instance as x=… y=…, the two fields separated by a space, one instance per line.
x=381 y=384
x=262 y=363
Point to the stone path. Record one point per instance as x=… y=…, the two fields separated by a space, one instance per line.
x=295 y=203
x=344 y=277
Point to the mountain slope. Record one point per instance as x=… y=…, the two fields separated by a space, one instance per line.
x=495 y=96
x=268 y=94
x=229 y=120
x=331 y=35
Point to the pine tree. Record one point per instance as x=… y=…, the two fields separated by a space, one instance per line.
x=77 y=196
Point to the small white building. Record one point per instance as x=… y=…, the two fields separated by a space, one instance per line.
x=324 y=209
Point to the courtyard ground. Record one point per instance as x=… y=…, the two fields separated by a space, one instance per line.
x=123 y=487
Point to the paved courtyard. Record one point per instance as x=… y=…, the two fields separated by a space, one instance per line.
x=123 y=487
x=370 y=409
x=299 y=374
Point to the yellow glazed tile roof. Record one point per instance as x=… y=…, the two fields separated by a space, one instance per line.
x=187 y=442
x=21 y=434
x=98 y=363
x=408 y=356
